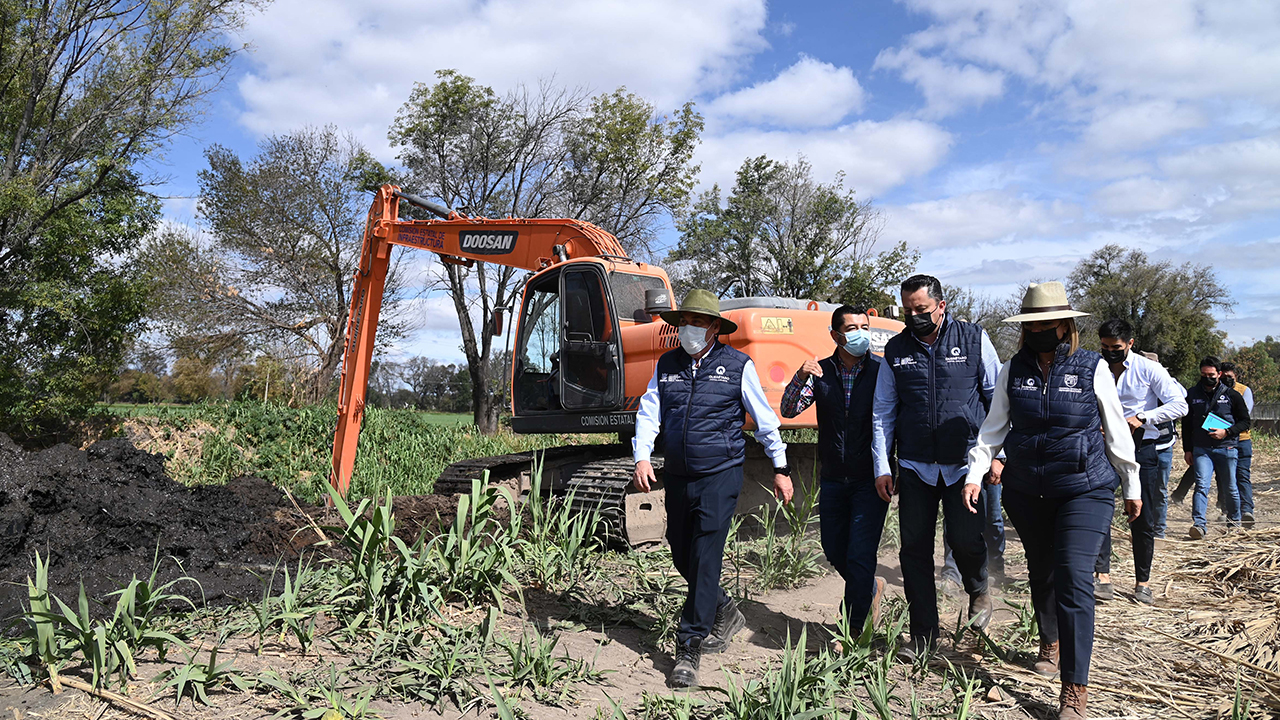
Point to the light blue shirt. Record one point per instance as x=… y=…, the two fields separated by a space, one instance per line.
x=649 y=418
x=884 y=415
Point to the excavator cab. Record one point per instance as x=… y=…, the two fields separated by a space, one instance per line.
x=568 y=355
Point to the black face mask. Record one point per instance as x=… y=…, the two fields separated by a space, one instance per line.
x=1114 y=357
x=1043 y=341
x=1208 y=381
x=921 y=324
x=1227 y=381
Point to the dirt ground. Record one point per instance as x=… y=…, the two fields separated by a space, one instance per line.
x=1148 y=662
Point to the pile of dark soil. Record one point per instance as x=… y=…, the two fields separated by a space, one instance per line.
x=100 y=515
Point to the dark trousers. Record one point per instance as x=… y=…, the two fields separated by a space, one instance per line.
x=1143 y=530
x=1244 y=472
x=1061 y=537
x=852 y=518
x=993 y=532
x=699 y=510
x=918 y=517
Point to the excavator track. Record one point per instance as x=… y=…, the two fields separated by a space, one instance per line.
x=597 y=477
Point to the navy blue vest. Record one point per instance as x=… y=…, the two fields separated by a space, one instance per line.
x=1055 y=446
x=702 y=415
x=941 y=402
x=844 y=434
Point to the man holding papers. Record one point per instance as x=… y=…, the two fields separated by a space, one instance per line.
x=1210 y=437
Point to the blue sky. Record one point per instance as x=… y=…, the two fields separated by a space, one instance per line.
x=1006 y=139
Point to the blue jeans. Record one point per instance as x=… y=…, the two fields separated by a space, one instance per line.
x=1162 y=498
x=1209 y=462
x=1244 y=480
x=852 y=517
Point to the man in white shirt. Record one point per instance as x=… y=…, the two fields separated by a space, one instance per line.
x=1149 y=397
x=698 y=398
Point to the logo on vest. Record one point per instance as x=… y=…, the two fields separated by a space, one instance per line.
x=956 y=357
x=1069 y=384
x=904 y=361
x=669 y=377
x=1029 y=382
x=719 y=376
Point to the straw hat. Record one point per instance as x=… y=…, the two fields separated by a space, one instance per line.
x=703 y=302
x=1045 y=301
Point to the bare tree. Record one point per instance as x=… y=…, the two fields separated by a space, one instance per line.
x=536 y=153
x=279 y=258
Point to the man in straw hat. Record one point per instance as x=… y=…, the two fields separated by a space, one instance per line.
x=1057 y=416
x=941 y=373
x=698 y=397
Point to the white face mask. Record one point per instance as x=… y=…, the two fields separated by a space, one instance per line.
x=693 y=338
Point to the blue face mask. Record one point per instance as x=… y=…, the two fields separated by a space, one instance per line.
x=857 y=342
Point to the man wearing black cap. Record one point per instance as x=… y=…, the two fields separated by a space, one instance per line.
x=698 y=398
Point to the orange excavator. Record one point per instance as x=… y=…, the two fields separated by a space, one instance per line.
x=586 y=343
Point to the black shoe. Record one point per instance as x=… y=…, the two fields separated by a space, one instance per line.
x=729 y=622
x=1103 y=592
x=980 y=610
x=919 y=646
x=1247 y=519
x=688 y=656
x=1196 y=532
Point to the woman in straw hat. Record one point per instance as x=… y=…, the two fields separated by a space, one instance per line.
x=1057 y=415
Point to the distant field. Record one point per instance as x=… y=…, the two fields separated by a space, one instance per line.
x=403 y=451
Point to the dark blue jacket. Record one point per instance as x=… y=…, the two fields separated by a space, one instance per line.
x=844 y=434
x=1055 y=446
x=702 y=416
x=1222 y=401
x=941 y=400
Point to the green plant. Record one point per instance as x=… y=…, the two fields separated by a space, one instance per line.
x=559 y=538
x=475 y=557
x=319 y=702
x=44 y=646
x=195 y=679
x=799 y=688
x=533 y=664
x=879 y=690
x=785 y=561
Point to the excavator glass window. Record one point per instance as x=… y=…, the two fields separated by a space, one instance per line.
x=628 y=294
x=590 y=357
x=537 y=379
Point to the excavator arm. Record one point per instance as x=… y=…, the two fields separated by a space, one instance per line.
x=529 y=244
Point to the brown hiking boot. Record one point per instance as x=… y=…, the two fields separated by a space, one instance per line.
x=1047 y=660
x=1075 y=698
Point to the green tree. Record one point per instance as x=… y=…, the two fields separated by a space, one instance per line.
x=1170 y=307
x=1259 y=370
x=782 y=233
x=548 y=152
x=88 y=89
x=277 y=267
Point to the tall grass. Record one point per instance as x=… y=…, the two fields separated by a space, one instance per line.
x=400 y=451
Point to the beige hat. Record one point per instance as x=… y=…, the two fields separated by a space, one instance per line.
x=703 y=302
x=1045 y=301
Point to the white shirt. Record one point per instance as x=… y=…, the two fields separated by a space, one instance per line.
x=884 y=417
x=1146 y=387
x=649 y=418
x=1119 y=442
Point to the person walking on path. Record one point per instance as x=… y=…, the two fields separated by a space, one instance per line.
x=1244 y=448
x=1149 y=397
x=851 y=514
x=941 y=373
x=698 y=397
x=1057 y=416
x=1213 y=450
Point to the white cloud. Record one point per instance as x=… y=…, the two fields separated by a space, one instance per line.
x=947 y=87
x=875 y=156
x=810 y=93
x=1137 y=125
x=330 y=61
x=1140 y=195
x=963 y=221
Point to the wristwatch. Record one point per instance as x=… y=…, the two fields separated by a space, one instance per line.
x=784 y=470
x=1142 y=418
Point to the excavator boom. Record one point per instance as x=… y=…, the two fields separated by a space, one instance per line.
x=530 y=244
